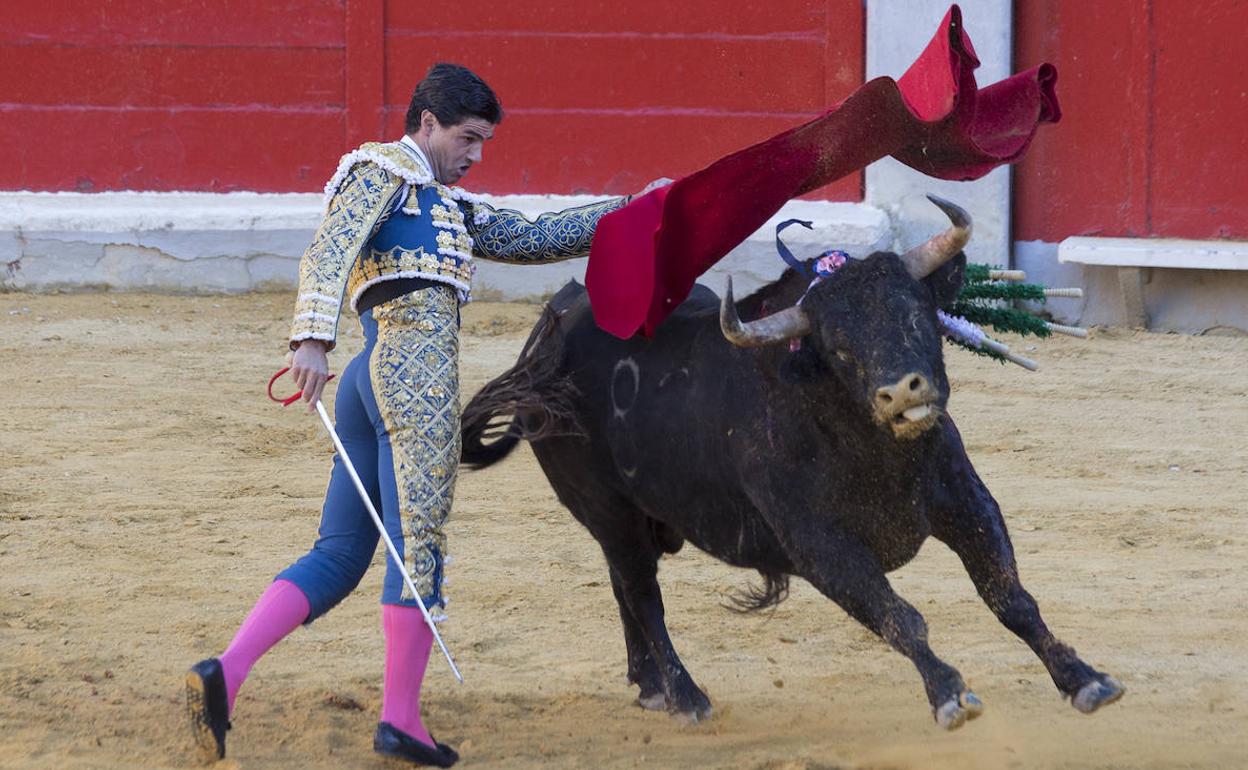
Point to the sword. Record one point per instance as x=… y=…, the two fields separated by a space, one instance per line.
x=372 y=511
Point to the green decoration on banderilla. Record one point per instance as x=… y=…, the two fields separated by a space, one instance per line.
x=985 y=301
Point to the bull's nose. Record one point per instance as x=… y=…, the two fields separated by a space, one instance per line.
x=910 y=394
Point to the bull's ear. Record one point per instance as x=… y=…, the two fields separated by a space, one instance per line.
x=946 y=282
x=802 y=365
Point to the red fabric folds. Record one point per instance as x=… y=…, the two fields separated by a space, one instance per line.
x=647 y=255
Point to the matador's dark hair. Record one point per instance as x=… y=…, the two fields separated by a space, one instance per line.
x=452 y=93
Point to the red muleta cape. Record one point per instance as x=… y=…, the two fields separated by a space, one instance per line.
x=646 y=256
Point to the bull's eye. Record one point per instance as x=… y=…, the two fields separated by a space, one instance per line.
x=844 y=356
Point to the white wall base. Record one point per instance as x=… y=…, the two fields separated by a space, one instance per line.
x=1155 y=252
x=236 y=242
x=1174 y=299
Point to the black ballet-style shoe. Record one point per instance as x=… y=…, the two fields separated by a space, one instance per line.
x=393 y=742
x=208 y=707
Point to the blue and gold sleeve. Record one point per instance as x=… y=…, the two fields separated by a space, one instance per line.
x=360 y=205
x=508 y=236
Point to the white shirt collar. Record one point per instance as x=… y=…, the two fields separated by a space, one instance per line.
x=411 y=145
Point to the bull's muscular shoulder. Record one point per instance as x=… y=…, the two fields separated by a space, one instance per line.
x=700 y=303
x=571 y=303
x=573 y=292
x=701 y=299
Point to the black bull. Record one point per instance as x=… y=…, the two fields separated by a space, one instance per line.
x=832 y=462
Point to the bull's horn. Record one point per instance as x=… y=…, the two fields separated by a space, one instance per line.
x=922 y=261
x=785 y=325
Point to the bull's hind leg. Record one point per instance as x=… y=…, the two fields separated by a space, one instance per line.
x=845 y=571
x=632 y=544
x=642 y=670
x=633 y=562
x=969 y=521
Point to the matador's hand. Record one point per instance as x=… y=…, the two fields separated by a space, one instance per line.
x=310 y=368
x=656 y=184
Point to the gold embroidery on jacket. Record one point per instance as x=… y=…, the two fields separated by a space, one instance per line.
x=446 y=214
x=399 y=262
x=353 y=215
x=454 y=242
x=415 y=373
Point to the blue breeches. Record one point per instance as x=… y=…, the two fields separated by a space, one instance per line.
x=397 y=413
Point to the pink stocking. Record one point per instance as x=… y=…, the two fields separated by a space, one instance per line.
x=408 y=641
x=278 y=611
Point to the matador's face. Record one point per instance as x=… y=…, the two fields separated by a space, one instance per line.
x=452 y=150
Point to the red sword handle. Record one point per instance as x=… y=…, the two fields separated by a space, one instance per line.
x=290 y=399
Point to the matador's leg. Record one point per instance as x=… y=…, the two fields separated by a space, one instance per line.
x=414 y=371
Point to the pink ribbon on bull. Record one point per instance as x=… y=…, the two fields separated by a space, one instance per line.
x=825 y=265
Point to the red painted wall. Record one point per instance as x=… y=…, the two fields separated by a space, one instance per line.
x=222 y=95
x=146 y=95
x=1153 y=139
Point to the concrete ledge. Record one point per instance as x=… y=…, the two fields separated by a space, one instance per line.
x=236 y=242
x=1155 y=252
x=1149 y=283
x=117 y=212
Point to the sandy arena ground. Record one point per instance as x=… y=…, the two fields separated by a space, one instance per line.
x=149 y=491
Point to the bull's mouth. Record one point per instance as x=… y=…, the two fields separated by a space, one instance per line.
x=915 y=421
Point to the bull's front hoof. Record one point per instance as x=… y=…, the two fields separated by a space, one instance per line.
x=693 y=716
x=650 y=697
x=1097 y=693
x=691 y=708
x=652 y=702
x=956 y=712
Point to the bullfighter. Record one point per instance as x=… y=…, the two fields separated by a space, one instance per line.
x=397 y=244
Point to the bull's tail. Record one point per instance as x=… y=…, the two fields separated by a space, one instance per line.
x=476 y=453
x=775 y=589
x=532 y=400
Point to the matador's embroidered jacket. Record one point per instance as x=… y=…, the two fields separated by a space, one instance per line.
x=387 y=218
